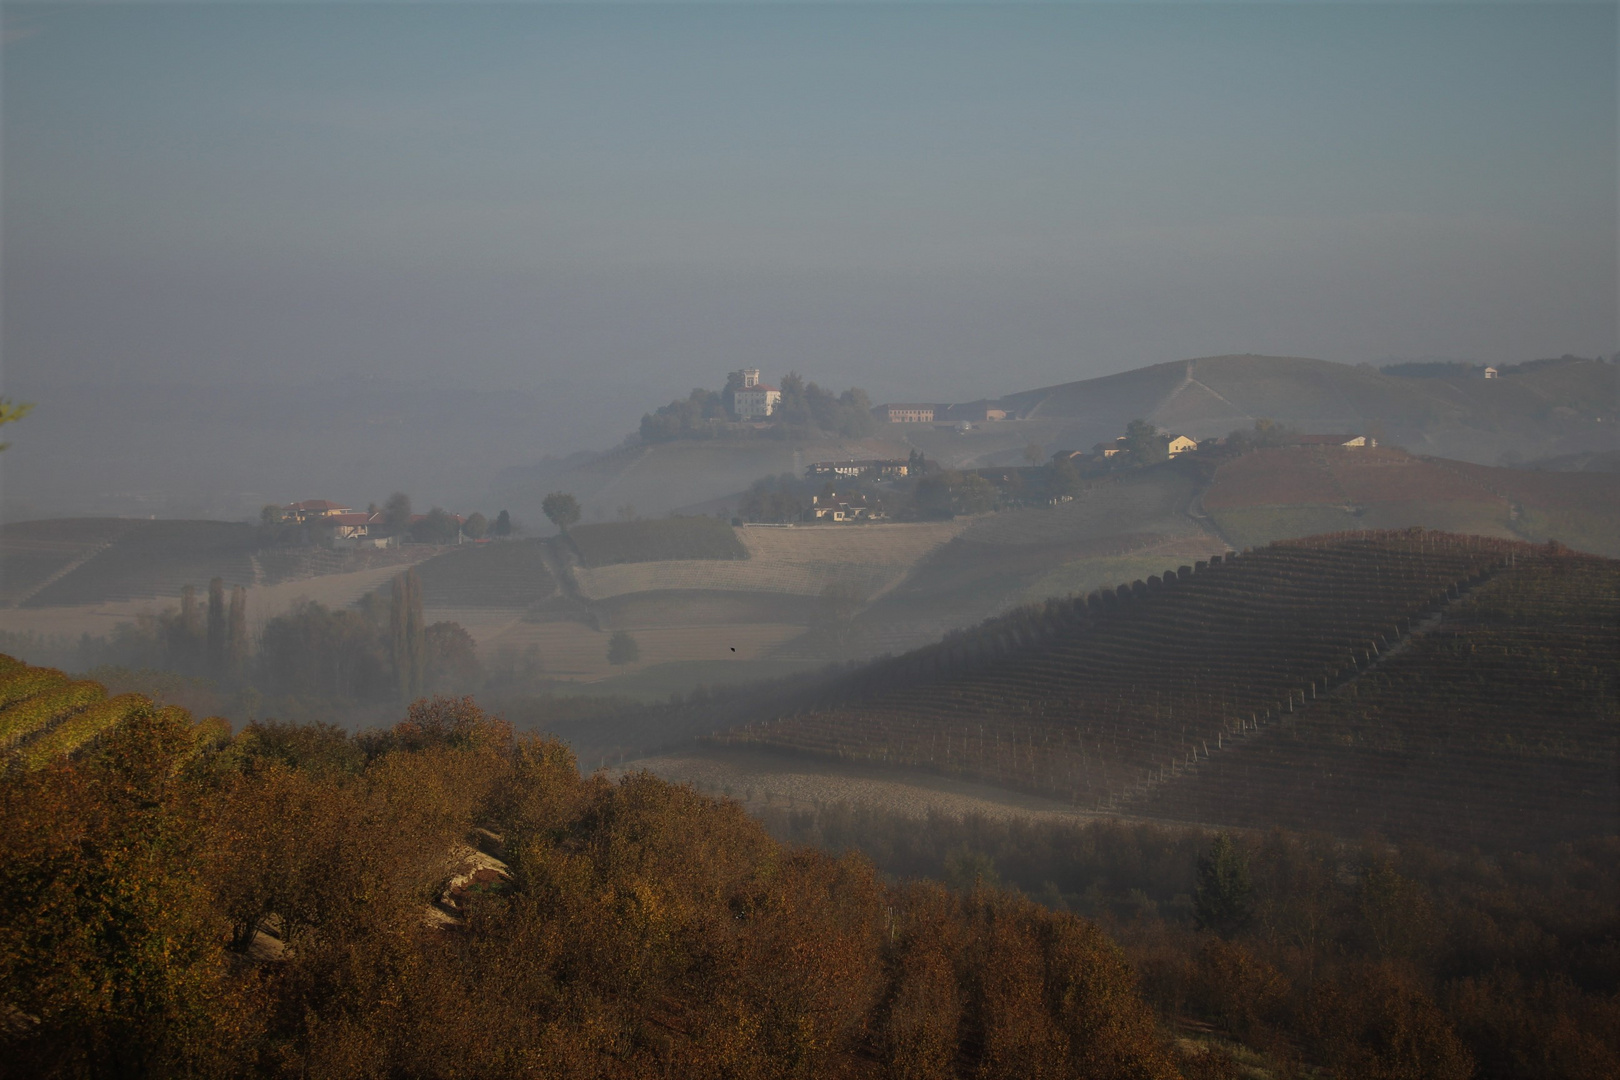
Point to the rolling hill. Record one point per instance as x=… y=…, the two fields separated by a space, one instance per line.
x=1539 y=410
x=1461 y=689
x=1545 y=409
x=709 y=603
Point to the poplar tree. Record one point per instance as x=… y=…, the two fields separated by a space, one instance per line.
x=407 y=638
x=215 y=655
x=236 y=643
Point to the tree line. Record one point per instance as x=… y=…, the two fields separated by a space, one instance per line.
x=803 y=410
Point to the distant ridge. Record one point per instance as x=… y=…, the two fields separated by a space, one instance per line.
x=1543 y=411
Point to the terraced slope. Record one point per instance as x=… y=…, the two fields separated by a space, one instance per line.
x=1496 y=728
x=44 y=715
x=1098 y=698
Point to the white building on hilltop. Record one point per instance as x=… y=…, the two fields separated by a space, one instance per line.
x=755 y=401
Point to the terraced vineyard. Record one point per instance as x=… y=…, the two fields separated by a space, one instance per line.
x=45 y=715
x=1102 y=699
x=1498 y=727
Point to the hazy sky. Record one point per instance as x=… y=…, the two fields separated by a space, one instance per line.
x=930 y=201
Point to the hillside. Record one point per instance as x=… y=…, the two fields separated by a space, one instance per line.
x=1540 y=411
x=709 y=603
x=1116 y=699
x=1285 y=492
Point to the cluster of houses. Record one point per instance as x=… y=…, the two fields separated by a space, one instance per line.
x=363 y=528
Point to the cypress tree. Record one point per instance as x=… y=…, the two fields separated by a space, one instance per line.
x=236 y=644
x=399 y=648
x=415 y=633
x=216 y=628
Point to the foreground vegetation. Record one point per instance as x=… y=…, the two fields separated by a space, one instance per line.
x=180 y=903
x=1298 y=950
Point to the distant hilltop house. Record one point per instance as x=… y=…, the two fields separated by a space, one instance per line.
x=907 y=414
x=866 y=467
x=1181 y=444
x=754 y=400
x=1330 y=440
x=833 y=506
x=1173 y=445
x=363 y=527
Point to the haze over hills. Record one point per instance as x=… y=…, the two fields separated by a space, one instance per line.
x=712 y=603
x=131 y=449
x=1538 y=411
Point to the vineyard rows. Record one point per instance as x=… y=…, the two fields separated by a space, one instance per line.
x=1499 y=726
x=1098 y=698
x=44 y=715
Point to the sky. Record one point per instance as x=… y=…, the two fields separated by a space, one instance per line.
x=617 y=203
